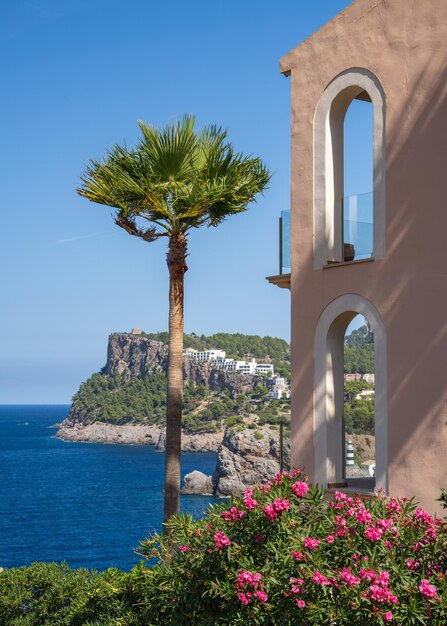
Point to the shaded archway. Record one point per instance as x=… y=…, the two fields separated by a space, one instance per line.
x=329 y=396
x=355 y=83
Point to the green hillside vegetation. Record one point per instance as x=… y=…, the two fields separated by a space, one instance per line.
x=359 y=412
x=359 y=359
x=115 y=400
x=119 y=401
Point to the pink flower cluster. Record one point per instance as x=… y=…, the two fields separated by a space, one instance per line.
x=373 y=533
x=347 y=577
x=427 y=589
x=249 y=502
x=300 y=489
x=184 y=548
x=221 y=540
x=297 y=587
x=379 y=591
x=321 y=579
x=233 y=514
x=249 y=585
x=311 y=544
x=271 y=511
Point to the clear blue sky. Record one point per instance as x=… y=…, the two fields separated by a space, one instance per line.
x=76 y=75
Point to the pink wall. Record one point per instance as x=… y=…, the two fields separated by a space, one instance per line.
x=402 y=42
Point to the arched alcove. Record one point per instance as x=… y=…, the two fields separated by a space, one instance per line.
x=329 y=352
x=329 y=118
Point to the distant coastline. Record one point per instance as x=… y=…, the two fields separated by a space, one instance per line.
x=135 y=434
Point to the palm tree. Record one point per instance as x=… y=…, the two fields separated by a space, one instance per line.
x=174 y=179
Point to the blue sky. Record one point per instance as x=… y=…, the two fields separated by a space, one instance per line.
x=76 y=76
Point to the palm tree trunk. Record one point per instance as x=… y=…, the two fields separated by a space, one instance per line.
x=176 y=260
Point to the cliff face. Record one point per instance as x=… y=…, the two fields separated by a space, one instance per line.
x=245 y=458
x=136 y=356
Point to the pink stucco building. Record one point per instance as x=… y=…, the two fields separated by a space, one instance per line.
x=392 y=53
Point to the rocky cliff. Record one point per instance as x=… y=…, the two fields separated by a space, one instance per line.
x=134 y=356
x=247 y=457
x=244 y=458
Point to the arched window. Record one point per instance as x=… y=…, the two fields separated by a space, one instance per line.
x=338 y=217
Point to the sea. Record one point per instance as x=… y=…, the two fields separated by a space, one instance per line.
x=83 y=503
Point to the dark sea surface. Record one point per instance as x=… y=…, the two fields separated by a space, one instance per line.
x=84 y=503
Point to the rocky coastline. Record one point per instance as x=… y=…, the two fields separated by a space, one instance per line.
x=245 y=457
x=136 y=434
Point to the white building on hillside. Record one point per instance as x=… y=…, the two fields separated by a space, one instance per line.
x=220 y=360
x=204 y=355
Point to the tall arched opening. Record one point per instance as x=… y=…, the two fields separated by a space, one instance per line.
x=329 y=438
x=333 y=208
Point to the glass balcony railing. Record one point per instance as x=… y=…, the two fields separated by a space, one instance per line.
x=284 y=242
x=358 y=235
x=358 y=225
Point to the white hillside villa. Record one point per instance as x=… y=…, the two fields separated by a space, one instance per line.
x=278 y=388
x=219 y=360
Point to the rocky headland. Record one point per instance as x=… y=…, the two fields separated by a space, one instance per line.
x=247 y=451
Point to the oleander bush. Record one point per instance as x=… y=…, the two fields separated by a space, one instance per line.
x=284 y=555
x=281 y=555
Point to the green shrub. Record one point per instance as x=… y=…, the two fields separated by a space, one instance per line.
x=257 y=435
x=283 y=555
x=51 y=593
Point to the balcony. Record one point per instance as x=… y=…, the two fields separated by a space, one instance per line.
x=283 y=278
x=358 y=226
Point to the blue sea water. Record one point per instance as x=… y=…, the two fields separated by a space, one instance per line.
x=86 y=504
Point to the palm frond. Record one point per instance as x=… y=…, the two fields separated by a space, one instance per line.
x=175 y=178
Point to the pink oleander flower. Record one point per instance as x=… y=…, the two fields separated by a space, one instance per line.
x=281 y=505
x=374 y=534
x=339 y=495
x=388 y=545
x=249 y=502
x=320 y=579
x=388 y=617
x=221 y=540
x=385 y=524
x=411 y=564
x=431 y=534
x=393 y=505
x=297 y=585
x=259 y=538
x=261 y=595
x=244 y=598
x=233 y=514
x=423 y=516
x=298 y=556
x=363 y=516
x=265 y=488
x=311 y=544
x=330 y=538
x=348 y=577
x=184 y=548
x=367 y=574
x=270 y=512
x=300 y=604
x=300 y=489
x=248 y=578
x=427 y=589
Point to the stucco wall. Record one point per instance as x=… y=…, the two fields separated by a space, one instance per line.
x=402 y=42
